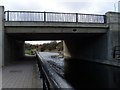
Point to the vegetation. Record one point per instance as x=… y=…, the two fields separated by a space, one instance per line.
x=29 y=52
x=51 y=47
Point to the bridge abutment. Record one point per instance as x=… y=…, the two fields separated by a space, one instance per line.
x=10 y=49
x=113 y=20
x=97 y=48
x=14 y=49
x=90 y=47
x=1 y=36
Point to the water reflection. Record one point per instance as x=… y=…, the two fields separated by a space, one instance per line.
x=87 y=74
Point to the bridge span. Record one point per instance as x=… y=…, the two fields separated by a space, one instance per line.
x=85 y=36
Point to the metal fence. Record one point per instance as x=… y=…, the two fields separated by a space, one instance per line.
x=53 y=17
x=51 y=79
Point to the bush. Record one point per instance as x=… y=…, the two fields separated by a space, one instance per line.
x=29 y=52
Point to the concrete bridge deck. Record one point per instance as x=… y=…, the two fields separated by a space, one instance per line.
x=21 y=74
x=51 y=27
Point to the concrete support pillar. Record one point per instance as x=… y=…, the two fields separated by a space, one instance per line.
x=113 y=20
x=1 y=36
x=66 y=50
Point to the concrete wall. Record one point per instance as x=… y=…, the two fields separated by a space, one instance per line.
x=90 y=47
x=1 y=35
x=113 y=20
x=14 y=49
x=41 y=27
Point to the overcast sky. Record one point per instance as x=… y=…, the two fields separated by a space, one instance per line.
x=79 y=6
x=71 y=6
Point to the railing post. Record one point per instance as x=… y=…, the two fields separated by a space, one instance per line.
x=7 y=15
x=44 y=16
x=104 y=18
x=76 y=17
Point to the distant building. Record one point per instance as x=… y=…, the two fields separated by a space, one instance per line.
x=118 y=6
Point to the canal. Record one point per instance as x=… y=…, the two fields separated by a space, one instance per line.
x=85 y=74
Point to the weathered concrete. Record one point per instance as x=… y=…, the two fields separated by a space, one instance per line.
x=91 y=47
x=14 y=50
x=98 y=46
x=1 y=35
x=90 y=56
x=113 y=20
x=40 y=27
x=53 y=24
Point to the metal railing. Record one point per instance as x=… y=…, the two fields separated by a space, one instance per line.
x=51 y=80
x=53 y=17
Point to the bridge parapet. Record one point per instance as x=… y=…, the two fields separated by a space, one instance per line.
x=53 y=17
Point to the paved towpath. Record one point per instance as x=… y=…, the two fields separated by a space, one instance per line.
x=21 y=74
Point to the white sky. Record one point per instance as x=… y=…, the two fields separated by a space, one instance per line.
x=38 y=42
x=71 y=6
x=78 y=6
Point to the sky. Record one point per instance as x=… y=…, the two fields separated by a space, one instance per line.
x=77 y=6
x=68 y=6
x=39 y=42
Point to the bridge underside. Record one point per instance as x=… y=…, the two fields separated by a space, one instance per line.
x=51 y=36
x=76 y=45
x=77 y=37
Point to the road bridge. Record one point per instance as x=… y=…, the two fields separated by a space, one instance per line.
x=85 y=36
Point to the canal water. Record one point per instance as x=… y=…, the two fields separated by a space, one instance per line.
x=87 y=74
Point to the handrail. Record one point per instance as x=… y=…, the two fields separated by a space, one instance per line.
x=53 y=17
x=50 y=78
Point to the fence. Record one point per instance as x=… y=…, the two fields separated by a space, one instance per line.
x=53 y=17
x=51 y=80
